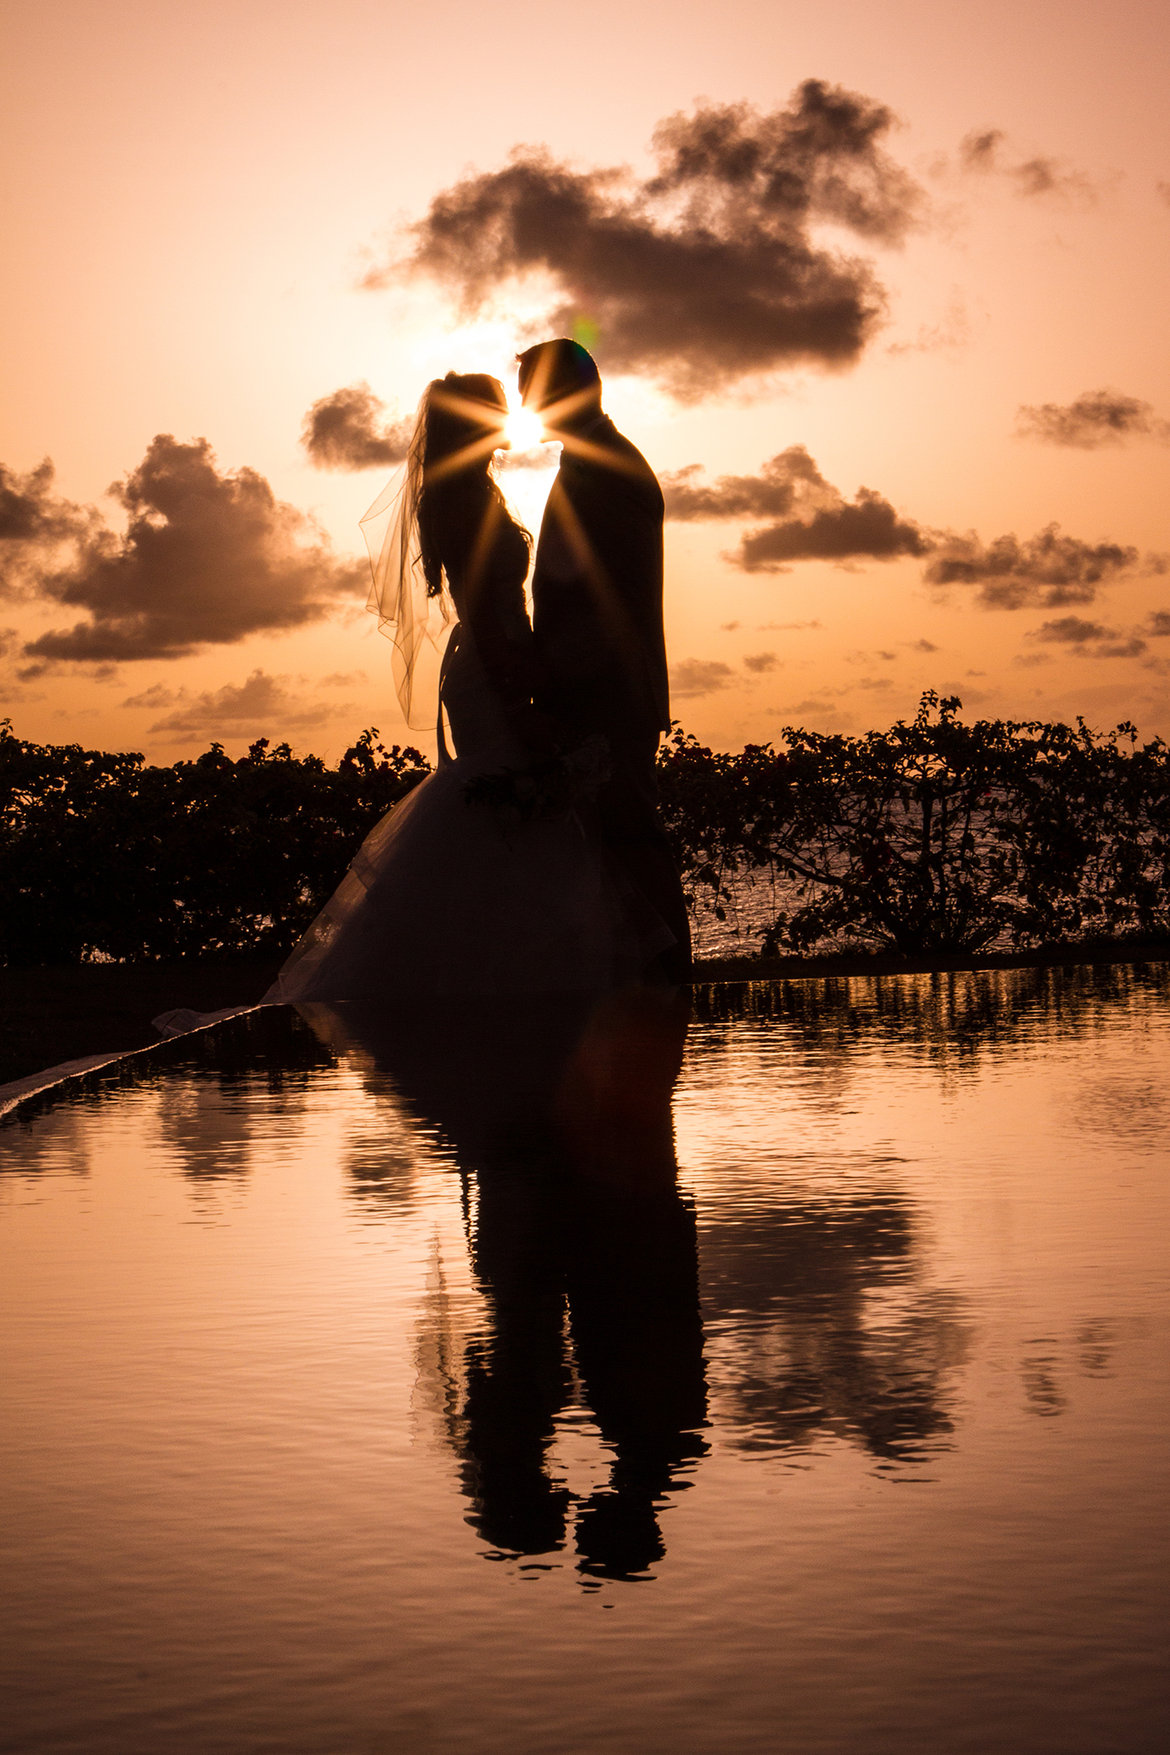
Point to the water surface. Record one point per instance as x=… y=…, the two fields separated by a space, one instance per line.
x=475 y=1384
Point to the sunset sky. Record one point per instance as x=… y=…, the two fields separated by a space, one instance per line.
x=880 y=291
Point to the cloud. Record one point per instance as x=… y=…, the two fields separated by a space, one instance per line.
x=158 y=695
x=34 y=523
x=1049 y=569
x=343 y=679
x=705 y=273
x=949 y=334
x=1092 y=639
x=345 y=431
x=206 y=559
x=260 y=706
x=1070 y=630
x=923 y=646
x=1159 y=623
x=760 y=662
x=1126 y=646
x=1164 y=191
x=1093 y=419
x=868 y=529
x=782 y=481
x=699 y=676
x=983 y=152
x=813 y=520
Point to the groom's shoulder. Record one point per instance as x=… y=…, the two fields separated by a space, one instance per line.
x=628 y=463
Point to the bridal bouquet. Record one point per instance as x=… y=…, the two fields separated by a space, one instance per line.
x=548 y=787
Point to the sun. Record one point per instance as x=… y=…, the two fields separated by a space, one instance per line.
x=525 y=429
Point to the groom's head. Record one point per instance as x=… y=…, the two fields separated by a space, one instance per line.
x=560 y=381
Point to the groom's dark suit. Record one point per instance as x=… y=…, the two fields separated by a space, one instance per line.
x=600 y=650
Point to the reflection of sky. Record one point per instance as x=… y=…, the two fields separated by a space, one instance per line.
x=933 y=1321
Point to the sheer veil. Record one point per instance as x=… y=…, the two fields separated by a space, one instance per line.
x=417 y=623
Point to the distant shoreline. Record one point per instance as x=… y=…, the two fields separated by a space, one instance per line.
x=853 y=963
x=52 y=1015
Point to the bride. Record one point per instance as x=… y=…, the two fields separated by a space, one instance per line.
x=485 y=879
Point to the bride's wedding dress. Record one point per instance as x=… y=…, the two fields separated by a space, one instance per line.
x=449 y=895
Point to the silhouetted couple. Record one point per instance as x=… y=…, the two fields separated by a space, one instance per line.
x=532 y=860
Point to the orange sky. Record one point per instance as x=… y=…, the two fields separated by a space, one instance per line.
x=195 y=193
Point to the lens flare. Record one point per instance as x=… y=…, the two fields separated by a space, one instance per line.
x=524 y=429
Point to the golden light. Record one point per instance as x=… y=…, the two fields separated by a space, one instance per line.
x=524 y=429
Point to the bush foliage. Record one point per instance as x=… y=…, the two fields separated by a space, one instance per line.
x=935 y=835
x=104 y=857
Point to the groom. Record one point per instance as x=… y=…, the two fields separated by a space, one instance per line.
x=597 y=617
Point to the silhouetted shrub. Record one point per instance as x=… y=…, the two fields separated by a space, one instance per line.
x=931 y=836
x=104 y=857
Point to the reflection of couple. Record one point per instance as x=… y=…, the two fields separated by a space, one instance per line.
x=532 y=859
x=557 y=1109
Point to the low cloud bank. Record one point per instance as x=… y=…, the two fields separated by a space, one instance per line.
x=247 y=709
x=812 y=520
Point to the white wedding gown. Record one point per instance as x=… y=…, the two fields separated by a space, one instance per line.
x=449 y=897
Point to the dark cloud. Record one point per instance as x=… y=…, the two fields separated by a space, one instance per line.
x=1089 y=638
x=699 y=676
x=1093 y=419
x=707 y=272
x=985 y=151
x=1049 y=570
x=813 y=520
x=1071 y=630
x=206 y=559
x=760 y=662
x=785 y=479
x=923 y=646
x=249 y=709
x=155 y=697
x=866 y=529
x=1126 y=646
x=346 y=431
x=34 y=523
x=1158 y=624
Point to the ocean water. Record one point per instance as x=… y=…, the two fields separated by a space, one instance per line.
x=792 y=1377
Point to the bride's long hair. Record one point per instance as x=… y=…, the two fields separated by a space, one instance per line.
x=460 y=501
x=425 y=528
